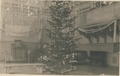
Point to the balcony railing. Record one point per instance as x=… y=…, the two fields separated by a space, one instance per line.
x=103 y=13
x=108 y=47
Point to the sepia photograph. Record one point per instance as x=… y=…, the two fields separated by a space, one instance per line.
x=59 y=37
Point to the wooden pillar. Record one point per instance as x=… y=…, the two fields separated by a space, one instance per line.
x=0 y=19
x=115 y=31
x=96 y=37
x=103 y=36
x=90 y=38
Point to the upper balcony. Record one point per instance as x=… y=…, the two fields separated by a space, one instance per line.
x=104 y=13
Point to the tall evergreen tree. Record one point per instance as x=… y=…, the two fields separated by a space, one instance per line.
x=62 y=37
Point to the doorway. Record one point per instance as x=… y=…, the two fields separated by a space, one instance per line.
x=98 y=58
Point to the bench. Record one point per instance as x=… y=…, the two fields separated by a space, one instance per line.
x=10 y=63
x=39 y=66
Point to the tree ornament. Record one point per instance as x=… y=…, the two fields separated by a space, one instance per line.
x=63 y=48
x=21 y=7
x=28 y=3
x=44 y=46
x=8 y=9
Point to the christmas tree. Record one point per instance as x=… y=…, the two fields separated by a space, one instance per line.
x=62 y=45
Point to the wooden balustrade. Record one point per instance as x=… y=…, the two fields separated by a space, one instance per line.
x=108 y=47
x=103 y=13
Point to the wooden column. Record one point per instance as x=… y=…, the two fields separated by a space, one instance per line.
x=0 y=18
x=115 y=31
x=96 y=36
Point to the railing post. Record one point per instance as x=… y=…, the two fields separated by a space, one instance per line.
x=5 y=56
x=114 y=31
x=28 y=54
